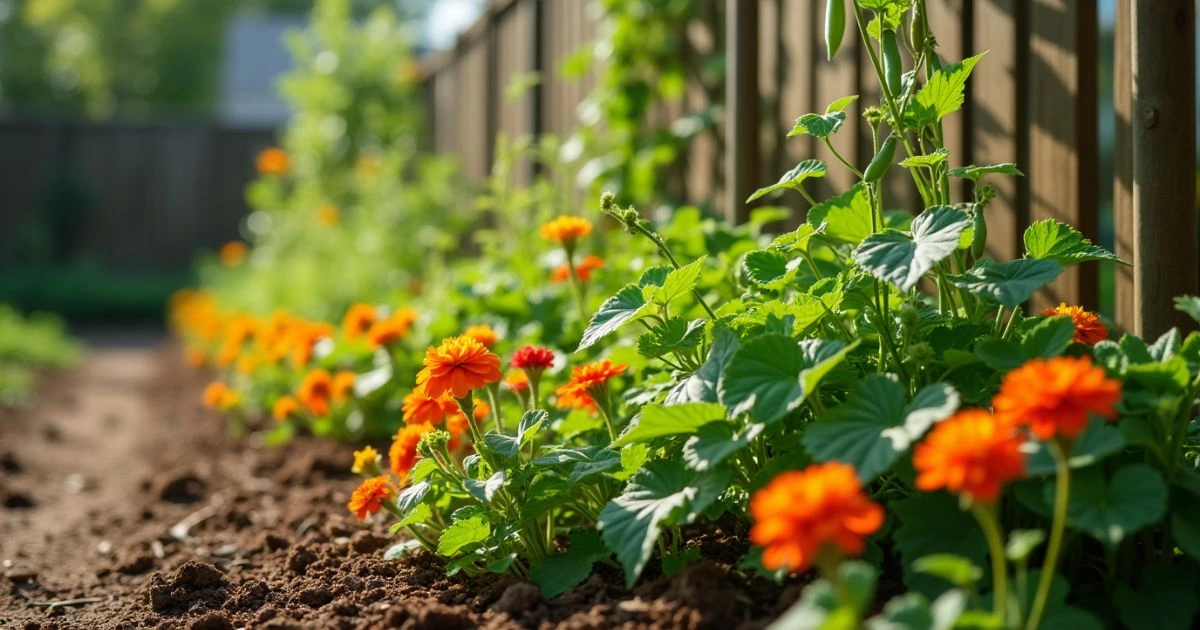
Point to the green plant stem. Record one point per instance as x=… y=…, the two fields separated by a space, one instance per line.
x=493 y=393
x=807 y=197
x=577 y=288
x=666 y=252
x=857 y=173
x=1062 y=495
x=1008 y=326
x=986 y=515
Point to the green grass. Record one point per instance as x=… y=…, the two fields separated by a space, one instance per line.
x=27 y=344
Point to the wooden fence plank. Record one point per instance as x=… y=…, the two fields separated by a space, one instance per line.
x=994 y=105
x=1163 y=123
x=1063 y=140
x=1125 y=317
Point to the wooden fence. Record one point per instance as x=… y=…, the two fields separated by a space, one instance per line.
x=1032 y=101
x=134 y=197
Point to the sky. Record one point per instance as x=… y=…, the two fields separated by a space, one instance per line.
x=448 y=18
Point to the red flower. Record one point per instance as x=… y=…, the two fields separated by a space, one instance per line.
x=532 y=357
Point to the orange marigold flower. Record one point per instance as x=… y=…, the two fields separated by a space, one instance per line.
x=971 y=453
x=567 y=230
x=1088 y=327
x=583 y=269
x=342 y=386
x=316 y=390
x=402 y=456
x=419 y=408
x=273 y=161
x=388 y=331
x=458 y=365
x=482 y=333
x=248 y=363
x=285 y=407
x=1056 y=397
x=195 y=357
x=801 y=513
x=233 y=253
x=532 y=358
x=302 y=339
x=516 y=380
x=587 y=383
x=364 y=459
x=358 y=319
x=368 y=498
x=218 y=395
x=328 y=215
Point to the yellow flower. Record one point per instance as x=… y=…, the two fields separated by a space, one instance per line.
x=363 y=459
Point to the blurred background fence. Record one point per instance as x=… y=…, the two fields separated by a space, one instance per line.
x=1033 y=101
x=132 y=197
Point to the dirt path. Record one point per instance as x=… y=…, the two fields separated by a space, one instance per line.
x=124 y=501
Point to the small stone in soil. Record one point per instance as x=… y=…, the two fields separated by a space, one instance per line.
x=78 y=484
x=21 y=574
x=518 y=598
x=299 y=559
x=275 y=542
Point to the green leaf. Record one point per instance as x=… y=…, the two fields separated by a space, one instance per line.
x=1109 y=510
x=1190 y=305
x=1165 y=600
x=874 y=427
x=1052 y=240
x=1001 y=355
x=926 y=160
x=401 y=549
x=1009 y=283
x=795 y=241
x=716 y=441
x=953 y=568
x=764 y=266
x=902 y=259
x=771 y=375
x=701 y=385
x=660 y=421
x=484 y=490
x=1099 y=440
x=412 y=496
x=548 y=491
x=1049 y=338
x=931 y=524
x=654 y=276
x=675 y=335
x=943 y=94
x=1022 y=542
x=973 y=172
x=822 y=126
x=464 y=533
x=1185 y=523
x=628 y=304
x=679 y=282
x=793 y=179
x=846 y=218
x=904 y=612
x=556 y=575
x=663 y=492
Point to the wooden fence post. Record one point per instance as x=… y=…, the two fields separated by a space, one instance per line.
x=1163 y=149
x=741 y=107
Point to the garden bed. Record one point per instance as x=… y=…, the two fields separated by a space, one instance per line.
x=112 y=458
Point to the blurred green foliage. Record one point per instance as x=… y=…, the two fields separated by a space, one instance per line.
x=83 y=291
x=126 y=58
x=30 y=343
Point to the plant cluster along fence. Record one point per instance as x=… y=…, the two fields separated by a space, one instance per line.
x=1034 y=103
x=543 y=378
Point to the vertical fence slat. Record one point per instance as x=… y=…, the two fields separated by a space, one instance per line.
x=741 y=108
x=1123 y=224
x=1163 y=123
x=1063 y=141
x=994 y=102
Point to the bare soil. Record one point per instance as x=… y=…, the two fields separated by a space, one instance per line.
x=125 y=505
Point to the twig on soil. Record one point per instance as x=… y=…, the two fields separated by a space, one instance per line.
x=67 y=602
x=179 y=531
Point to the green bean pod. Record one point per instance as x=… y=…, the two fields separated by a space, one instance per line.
x=979 y=234
x=892 y=66
x=882 y=161
x=835 y=26
x=916 y=28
